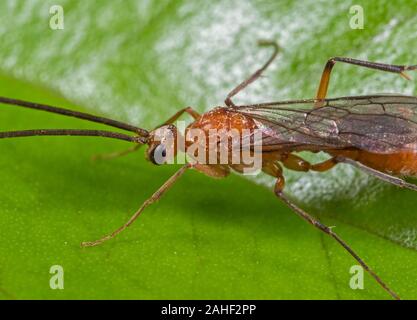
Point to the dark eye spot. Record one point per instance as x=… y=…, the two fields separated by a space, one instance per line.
x=159 y=154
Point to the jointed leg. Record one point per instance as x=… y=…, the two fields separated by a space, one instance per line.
x=324 y=166
x=156 y=196
x=188 y=110
x=255 y=75
x=325 y=78
x=214 y=171
x=304 y=215
x=116 y=154
x=296 y=163
x=378 y=174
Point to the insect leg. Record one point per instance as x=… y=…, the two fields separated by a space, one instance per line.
x=213 y=171
x=378 y=174
x=155 y=197
x=325 y=77
x=255 y=75
x=117 y=154
x=188 y=110
x=304 y=215
x=325 y=165
x=296 y=163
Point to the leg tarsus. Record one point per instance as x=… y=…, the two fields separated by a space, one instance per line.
x=304 y=215
x=156 y=196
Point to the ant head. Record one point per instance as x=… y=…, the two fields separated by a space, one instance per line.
x=162 y=144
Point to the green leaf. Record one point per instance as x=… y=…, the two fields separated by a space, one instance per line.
x=141 y=61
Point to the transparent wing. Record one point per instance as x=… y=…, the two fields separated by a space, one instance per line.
x=378 y=123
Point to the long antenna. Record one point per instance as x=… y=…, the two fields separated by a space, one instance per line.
x=75 y=114
x=71 y=132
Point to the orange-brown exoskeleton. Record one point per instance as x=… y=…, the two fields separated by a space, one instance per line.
x=375 y=133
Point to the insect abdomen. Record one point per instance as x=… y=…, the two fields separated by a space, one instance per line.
x=402 y=163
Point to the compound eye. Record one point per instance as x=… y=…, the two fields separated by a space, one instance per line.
x=159 y=154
